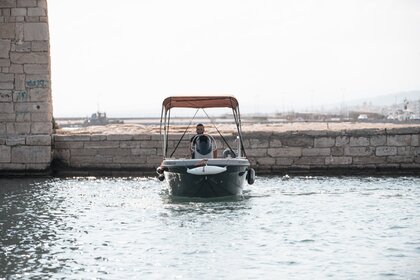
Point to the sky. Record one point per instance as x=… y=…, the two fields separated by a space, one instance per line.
x=124 y=57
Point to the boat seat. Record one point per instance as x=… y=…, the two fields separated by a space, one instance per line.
x=203 y=147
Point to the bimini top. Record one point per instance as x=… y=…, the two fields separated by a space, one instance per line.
x=200 y=102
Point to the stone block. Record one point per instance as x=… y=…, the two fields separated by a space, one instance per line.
x=5 y=153
x=359 y=141
x=284 y=161
x=319 y=161
x=342 y=141
x=2 y=129
x=4 y=62
x=144 y=151
x=338 y=160
x=26 y=3
x=41 y=117
x=23 y=128
x=151 y=144
x=156 y=160
x=37 y=80
x=71 y=138
x=298 y=141
x=358 y=151
x=285 y=152
x=98 y=137
x=114 y=152
x=38 y=140
x=41 y=127
x=16 y=69
x=275 y=143
x=379 y=140
x=40 y=46
x=10 y=128
x=36 y=31
x=36 y=12
x=6 y=77
x=400 y=159
x=31 y=154
x=12 y=166
x=266 y=161
x=7 y=30
x=130 y=144
x=258 y=143
x=385 y=151
x=83 y=152
x=337 y=151
x=23 y=117
x=42 y=4
x=257 y=153
x=405 y=151
x=6 y=85
x=129 y=159
x=6 y=108
x=310 y=152
x=18 y=12
x=36 y=68
x=32 y=107
x=68 y=145
x=368 y=160
x=102 y=144
x=5 y=13
x=410 y=166
x=40 y=95
x=7 y=3
x=142 y=137
x=324 y=142
x=415 y=140
x=6 y=96
x=119 y=137
x=29 y=58
x=61 y=155
x=89 y=161
x=15 y=141
x=37 y=166
x=5 y=48
x=399 y=140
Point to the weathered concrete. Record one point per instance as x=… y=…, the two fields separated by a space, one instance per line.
x=25 y=92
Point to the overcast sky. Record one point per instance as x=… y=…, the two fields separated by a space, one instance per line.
x=128 y=55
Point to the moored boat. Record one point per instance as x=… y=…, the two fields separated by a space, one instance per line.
x=205 y=175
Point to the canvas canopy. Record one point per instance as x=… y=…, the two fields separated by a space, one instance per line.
x=200 y=102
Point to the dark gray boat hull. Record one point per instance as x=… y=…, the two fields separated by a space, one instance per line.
x=227 y=183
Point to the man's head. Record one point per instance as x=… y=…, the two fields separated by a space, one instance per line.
x=199 y=128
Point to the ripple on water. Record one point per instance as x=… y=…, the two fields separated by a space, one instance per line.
x=290 y=227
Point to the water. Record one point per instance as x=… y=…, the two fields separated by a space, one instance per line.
x=301 y=228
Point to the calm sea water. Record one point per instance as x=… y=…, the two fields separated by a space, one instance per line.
x=129 y=228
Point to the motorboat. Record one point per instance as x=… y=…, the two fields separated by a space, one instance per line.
x=203 y=174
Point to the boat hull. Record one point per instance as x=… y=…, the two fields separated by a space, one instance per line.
x=185 y=178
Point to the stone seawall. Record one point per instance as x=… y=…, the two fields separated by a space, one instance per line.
x=393 y=151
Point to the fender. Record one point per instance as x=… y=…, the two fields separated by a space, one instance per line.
x=206 y=170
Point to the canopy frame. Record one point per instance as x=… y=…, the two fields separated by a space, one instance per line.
x=198 y=102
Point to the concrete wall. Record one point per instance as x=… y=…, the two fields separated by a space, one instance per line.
x=396 y=151
x=25 y=86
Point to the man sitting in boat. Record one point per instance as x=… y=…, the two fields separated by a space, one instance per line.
x=203 y=145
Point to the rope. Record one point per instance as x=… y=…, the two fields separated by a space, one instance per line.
x=182 y=137
x=230 y=148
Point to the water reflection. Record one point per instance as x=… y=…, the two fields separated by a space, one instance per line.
x=30 y=218
x=113 y=228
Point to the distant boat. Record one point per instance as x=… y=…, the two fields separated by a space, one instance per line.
x=99 y=118
x=204 y=175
